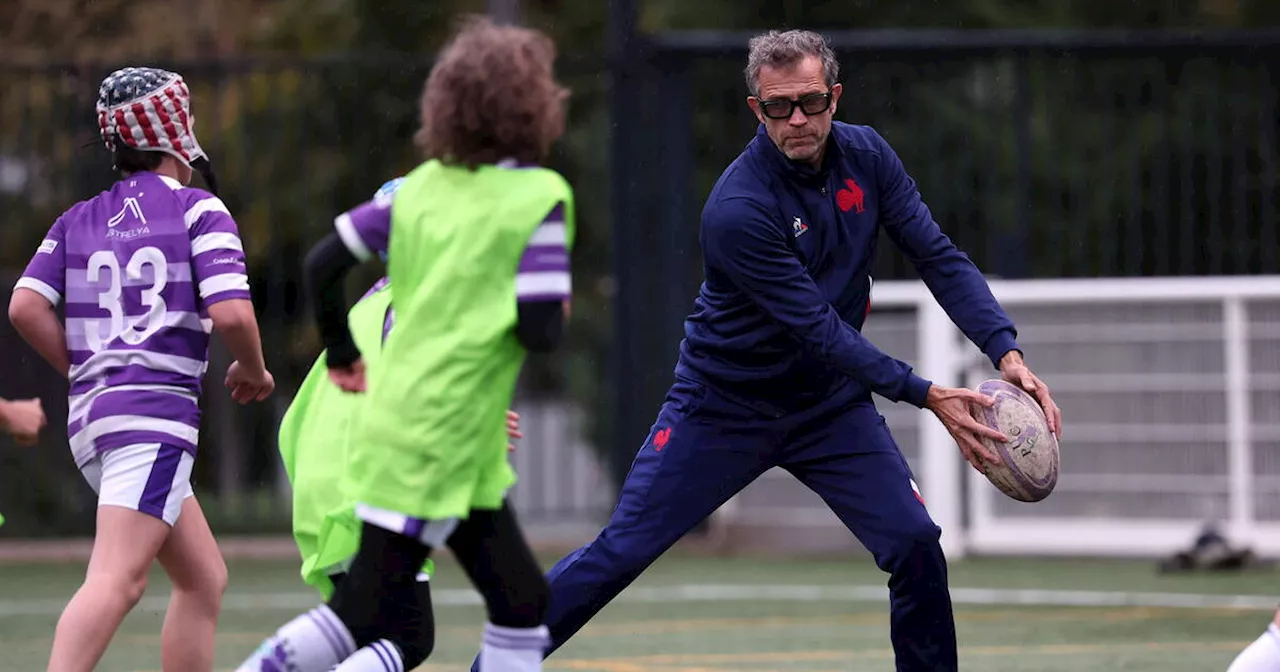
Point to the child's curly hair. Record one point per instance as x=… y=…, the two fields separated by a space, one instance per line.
x=491 y=95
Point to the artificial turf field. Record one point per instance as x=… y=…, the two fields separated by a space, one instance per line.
x=705 y=614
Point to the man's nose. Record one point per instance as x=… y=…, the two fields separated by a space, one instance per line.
x=797 y=117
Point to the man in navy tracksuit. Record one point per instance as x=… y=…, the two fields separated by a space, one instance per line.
x=774 y=372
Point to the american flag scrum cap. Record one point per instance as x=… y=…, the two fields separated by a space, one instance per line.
x=148 y=109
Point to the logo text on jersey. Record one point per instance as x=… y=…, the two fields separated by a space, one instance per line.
x=47 y=246
x=131 y=211
x=798 y=227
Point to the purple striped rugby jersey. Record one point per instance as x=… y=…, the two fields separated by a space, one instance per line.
x=138 y=266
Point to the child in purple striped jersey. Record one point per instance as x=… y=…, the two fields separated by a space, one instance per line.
x=146 y=270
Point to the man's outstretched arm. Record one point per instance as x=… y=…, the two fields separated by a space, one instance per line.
x=951 y=276
x=955 y=280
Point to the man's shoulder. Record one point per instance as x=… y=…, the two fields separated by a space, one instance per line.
x=731 y=199
x=858 y=138
x=742 y=182
x=743 y=196
x=730 y=215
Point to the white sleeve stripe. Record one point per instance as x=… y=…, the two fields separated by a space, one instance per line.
x=39 y=287
x=351 y=238
x=208 y=242
x=227 y=282
x=550 y=283
x=211 y=204
x=549 y=233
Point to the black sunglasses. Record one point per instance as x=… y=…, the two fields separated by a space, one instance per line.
x=783 y=108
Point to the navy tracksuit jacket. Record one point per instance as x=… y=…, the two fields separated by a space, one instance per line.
x=773 y=372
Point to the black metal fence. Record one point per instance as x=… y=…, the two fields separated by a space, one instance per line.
x=1080 y=154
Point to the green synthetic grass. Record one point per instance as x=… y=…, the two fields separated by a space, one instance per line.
x=665 y=624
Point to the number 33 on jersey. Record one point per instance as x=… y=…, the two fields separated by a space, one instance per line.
x=110 y=299
x=138 y=266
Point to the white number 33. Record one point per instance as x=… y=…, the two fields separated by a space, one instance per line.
x=140 y=328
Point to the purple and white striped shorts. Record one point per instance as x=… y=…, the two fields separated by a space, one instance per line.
x=152 y=478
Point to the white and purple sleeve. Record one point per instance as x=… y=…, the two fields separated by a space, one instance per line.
x=365 y=229
x=543 y=274
x=217 y=255
x=46 y=273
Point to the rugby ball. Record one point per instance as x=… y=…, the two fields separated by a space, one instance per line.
x=1028 y=470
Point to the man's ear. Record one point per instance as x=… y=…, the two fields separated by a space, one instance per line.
x=836 y=90
x=754 y=104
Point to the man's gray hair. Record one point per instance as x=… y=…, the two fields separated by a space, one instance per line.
x=787 y=48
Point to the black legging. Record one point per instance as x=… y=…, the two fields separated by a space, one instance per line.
x=380 y=598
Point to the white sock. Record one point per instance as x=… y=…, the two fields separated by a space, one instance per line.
x=1263 y=655
x=513 y=649
x=380 y=656
x=312 y=642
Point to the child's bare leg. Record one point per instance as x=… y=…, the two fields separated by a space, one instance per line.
x=198 y=573
x=125 y=545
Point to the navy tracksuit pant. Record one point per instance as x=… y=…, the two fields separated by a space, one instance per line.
x=704 y=448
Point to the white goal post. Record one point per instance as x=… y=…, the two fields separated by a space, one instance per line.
x=1170 y=390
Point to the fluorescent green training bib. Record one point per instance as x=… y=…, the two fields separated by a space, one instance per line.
x=314 y=441
x=432 y=439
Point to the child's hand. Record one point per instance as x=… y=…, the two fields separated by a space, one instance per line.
x=349 y=379
x=23 y=419
x=513 y=429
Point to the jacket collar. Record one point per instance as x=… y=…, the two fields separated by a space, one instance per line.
x=778 y=162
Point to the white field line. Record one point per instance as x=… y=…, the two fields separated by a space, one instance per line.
x=452 y=597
